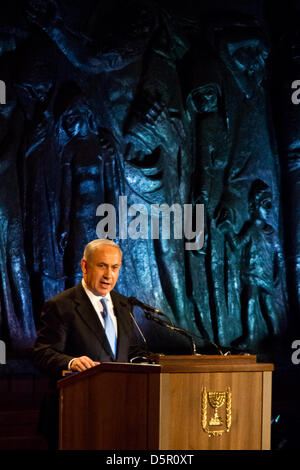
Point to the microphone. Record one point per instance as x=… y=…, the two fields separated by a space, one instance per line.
x=146 y=307
x=173 y=328
x=148 y=310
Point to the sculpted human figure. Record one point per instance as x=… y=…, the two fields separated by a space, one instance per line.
x=228 y=105
x=99 y=48
x=39 y=170
x=16 y=316
x=25 y=134
x=86 y=158
x=261 y=263
x=210 y=152
x=157 y=164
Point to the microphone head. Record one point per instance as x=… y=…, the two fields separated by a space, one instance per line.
x=144 y=306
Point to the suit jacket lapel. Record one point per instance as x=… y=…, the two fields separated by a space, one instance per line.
x=86 y=311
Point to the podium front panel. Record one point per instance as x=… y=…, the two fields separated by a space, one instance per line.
x=117 y=408
x=215 y=411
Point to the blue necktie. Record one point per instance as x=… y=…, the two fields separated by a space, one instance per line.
x=109 y=327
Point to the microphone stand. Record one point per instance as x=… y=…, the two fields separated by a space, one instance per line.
x=149 y=315
x=138 y=359
x=161 y=322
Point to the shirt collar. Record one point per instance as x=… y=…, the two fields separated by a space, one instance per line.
x=92 y=296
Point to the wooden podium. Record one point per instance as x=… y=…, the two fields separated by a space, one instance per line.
x=180 y=403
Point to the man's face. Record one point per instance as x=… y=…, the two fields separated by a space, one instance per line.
x=101 y=272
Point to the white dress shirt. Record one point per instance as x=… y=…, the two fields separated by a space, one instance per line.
x=95 y=299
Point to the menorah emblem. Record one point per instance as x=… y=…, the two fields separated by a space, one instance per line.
x=216 y=401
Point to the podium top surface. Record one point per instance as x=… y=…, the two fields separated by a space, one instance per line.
x=109 y=367
x=210 y=363
x=176 y=364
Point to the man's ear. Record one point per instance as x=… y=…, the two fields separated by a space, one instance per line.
x=83 y=266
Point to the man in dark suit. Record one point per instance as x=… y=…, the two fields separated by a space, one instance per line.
x=72 y=334
x=85 y=325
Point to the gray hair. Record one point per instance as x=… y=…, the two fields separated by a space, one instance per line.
x=91 y=246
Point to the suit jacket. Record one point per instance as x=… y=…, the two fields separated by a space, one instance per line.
x=70 y=328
